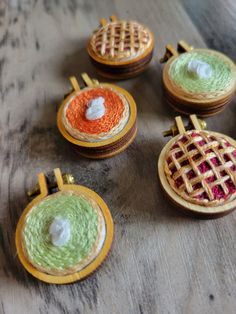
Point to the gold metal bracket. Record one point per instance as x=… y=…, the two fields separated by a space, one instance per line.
x=74 y=83
x=182 y=47
x=113 y=18
x=46 y=185
x=89 y=82
x=180 y=128
x=170 y=52
x=103 y=21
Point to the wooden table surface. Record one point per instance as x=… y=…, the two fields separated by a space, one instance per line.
x=161 y=261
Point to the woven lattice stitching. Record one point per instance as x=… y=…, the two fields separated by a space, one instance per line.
x=121 y=39
x=203 y=166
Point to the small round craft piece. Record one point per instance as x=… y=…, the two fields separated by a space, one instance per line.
x=197 y=170
x=99 y=120
x=200 y=81
x=64 y=237
x=121 y=49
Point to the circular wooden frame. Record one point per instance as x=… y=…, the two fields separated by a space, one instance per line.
x=124 y=75
x=87 y=270
x=112 y=153
x=117 y=137
x=187 y=207
x=122 y=69
x=199 y=105
x=205 y=112
x=100 y=60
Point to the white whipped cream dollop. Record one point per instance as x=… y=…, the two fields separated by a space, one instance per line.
x=200 y=69
x=60 y=231
x=95 y=109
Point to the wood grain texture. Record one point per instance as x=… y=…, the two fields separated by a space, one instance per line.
x=161 y=262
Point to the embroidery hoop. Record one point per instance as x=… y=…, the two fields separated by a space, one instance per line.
x=120 y=69
x=185 y=206
x=109 y=147
x=184 y=103
x=87 y=270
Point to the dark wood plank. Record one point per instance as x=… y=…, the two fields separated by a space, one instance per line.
x=161 y=262
x=216 y=22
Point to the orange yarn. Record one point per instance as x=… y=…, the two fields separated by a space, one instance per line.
x=114 y=110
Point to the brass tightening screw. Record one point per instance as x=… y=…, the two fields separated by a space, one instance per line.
x=182 y=46
x=66 y=177
x=174 y=131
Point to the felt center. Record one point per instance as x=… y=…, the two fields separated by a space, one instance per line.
x=60 y=231
x=199 y=69
x=95 y=109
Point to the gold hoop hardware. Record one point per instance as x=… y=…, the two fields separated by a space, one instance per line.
x=170 y=52
x=179 y=127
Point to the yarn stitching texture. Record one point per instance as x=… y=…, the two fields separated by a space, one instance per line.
x=220 y=81
x=84 y=222
x=121 y=40
x=114 y=120
x=201 y=168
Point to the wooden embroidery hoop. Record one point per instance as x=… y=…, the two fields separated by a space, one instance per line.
x=187 y=207
x=186 y=104
x=87 y=149
x=127 y=68
x=89 y=269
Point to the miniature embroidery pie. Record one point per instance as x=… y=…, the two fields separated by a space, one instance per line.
x=200 y=81
x=96 y=114
x=201 y=168
x=121 y=40
x=99 y=119
x=63 y=233
x=202 y=74
x=121 y=49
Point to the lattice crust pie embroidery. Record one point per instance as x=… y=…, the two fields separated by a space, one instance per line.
x=121 y=40
x=201 y=168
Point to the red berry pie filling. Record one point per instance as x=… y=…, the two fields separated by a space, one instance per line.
x=201 y=168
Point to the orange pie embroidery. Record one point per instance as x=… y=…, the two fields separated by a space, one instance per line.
x=114 y=108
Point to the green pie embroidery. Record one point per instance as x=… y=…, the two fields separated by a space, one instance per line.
x=221 y=78
x=84 y=230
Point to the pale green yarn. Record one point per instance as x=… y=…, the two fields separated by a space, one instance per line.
x=84 y=229
x=220 y=80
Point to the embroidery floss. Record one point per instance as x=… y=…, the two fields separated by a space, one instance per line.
x=197 y=169
x=99 y=119
x=200 y=81
x=214 y=79
x=75 y=244
x=63 y=236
